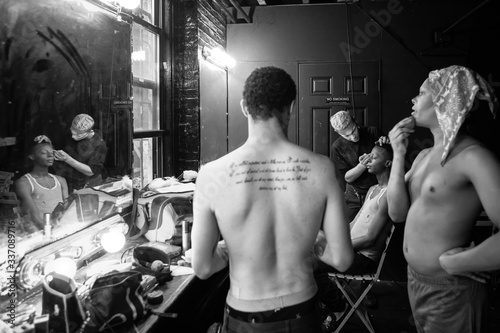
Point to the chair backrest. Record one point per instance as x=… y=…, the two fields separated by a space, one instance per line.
x=382 y=257
x=370 y=276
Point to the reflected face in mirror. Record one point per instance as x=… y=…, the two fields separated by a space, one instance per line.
x=42 y=154
x=39 y=191
x=81 y=127
x=69 y=60
x=80 y=135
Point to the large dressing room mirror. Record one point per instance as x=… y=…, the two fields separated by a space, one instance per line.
x=60 y=59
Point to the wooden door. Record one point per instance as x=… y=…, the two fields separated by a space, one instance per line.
x=326 y=88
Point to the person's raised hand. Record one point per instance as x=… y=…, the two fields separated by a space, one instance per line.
x=364 y=159
x=398 y=136
x=42 y=138
x=61 y=155
x=383 y=140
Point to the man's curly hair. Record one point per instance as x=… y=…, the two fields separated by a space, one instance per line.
x=267 y=91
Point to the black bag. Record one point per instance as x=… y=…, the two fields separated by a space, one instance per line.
x=156 y=217
x=114 y=299
x=61 y=302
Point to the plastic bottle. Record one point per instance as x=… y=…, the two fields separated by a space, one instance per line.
x=186 y=235
x=47 y=228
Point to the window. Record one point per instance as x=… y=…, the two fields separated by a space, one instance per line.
x=148 y=131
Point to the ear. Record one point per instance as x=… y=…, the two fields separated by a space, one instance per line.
x=31 y=157
x=243 y=106
x=388 y=163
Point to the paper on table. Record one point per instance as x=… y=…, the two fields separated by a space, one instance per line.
x=181 y=187
x=181 y=270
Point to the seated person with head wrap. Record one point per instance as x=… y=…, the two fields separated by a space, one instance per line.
x=441 y=197
x=38 y=190
x=84 y=156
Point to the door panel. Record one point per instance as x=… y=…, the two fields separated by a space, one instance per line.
x=326 y=88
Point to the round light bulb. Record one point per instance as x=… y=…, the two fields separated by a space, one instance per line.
x=63 y=265
x=113 y=241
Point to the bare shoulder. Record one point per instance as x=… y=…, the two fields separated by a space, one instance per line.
x=22 y=186
x=61 y=179
x=474 y=156
x=421 y=155
x=207 y=170
x=22 y=181
x=215 y=172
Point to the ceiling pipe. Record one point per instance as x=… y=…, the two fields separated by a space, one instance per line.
x=240 y=10
x=228 y=14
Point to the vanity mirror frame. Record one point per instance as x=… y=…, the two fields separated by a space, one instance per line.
x=86 y=239
x=89 y=251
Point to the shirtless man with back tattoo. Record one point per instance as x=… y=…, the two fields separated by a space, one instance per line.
x=268 y=200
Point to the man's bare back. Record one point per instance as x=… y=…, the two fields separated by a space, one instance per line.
x=268 y=200
x=444 y=206
x=271 y=242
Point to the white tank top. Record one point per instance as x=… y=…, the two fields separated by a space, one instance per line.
x=362 y=223
x=46 y=199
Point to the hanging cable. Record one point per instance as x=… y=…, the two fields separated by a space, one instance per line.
x=349 y=61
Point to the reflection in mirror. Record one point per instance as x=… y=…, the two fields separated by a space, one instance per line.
x=62 y=59
x=82 y=208
x=70 y=253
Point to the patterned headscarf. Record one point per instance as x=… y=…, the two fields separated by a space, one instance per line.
x=341 y=120
x=454 y=90
x=82 y=122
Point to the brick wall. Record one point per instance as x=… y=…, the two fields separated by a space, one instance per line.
x=196 y=23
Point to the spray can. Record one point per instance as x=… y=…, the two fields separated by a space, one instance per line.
x=186 y=235
x=47 y=227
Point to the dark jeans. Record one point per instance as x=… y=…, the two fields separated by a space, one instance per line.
x=299 y=318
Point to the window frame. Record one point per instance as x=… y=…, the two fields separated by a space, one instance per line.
x=161 y=137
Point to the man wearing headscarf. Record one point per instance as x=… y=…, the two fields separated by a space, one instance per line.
x=440 y=198
x=85 y=155
x=351 y=153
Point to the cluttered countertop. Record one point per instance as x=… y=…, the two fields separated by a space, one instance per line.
x=162 y=286
x=126 y=284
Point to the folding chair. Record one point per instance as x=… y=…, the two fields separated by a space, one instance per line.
x=351 y=296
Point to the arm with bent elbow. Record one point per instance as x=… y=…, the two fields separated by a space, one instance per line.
x=355 y=173
x=334 y=244
x=484 y=173
x=398 y=200
x=208 y=254
x=61 y=155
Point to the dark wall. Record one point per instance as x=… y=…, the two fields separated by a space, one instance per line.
x=391 y=32
x=213 y=85
x=59 y=59
x=199 y=91
x=186 y=121
x=398 y=35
